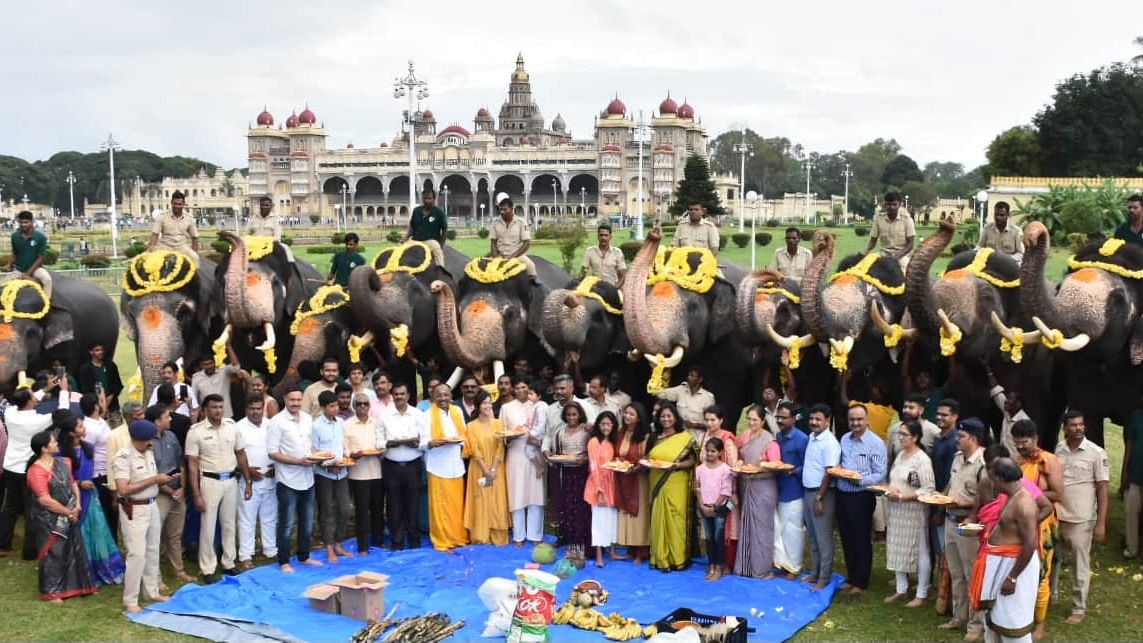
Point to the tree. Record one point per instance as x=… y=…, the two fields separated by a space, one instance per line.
x=1094 y=125
x=696 y=186
x=868 y=164
x=1015 y=152
x=920 y=194
x=1138 y=59
x=900 y=171
x=772 y=167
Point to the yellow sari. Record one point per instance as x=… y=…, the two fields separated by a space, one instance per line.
x=671 y=506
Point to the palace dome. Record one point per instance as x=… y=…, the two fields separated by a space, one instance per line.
x=427 y=115
x=686 y=111
x=558 y=124
x=455 y=129
x=307 y=117
x=668 y=106
x=616 y=107
x=265 y=119
x=483 y=113
x=292 y=121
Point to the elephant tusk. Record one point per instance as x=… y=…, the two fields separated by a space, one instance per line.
x=497 y=370
x=998 y=324
x=950 y=334
x=947 y=324
x=839 y=350
x=893 y=333
x=1073 y=344
x=1054 y=338
x=634 y=354
x=791 y=341
x=22 y=380
x=454 y=379
x=182 y=371
x=219 y=346
x=271 y=338
x=671 y=361
x=356 y=343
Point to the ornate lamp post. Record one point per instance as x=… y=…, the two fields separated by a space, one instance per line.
x=808 y=166
x=71 y=191
x=743 y=150
x=412 y=87
x=111 y=145
x=642 y=135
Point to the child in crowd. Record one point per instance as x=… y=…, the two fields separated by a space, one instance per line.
x=713 y=486
x=599 y=492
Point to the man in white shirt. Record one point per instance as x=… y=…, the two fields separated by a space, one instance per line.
x=22 y=422
x=188 y=405
x=97 y=434
x=598 y=400
x=211 y=380
x=289 y=442
x=259 y=504
x=401 y=469
x=792 y=260
x=442 y=436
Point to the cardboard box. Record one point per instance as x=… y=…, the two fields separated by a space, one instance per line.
x=362 y=595
x=324 y=597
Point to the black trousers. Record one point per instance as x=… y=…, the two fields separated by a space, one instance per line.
x=855 y=523
x=110 y=508
x=403 y=495
x=15 y=502
x=368 y=512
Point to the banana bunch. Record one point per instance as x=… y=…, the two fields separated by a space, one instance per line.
x=586 y=618
x=622 y=629
x=563 y=615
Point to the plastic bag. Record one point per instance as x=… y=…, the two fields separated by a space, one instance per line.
x=498 y=596
x=535 y=602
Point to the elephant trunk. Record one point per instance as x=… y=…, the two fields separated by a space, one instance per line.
x=364 y=284
x=308 y=345
x=751 y=327
x=918 y=282
x=646 y=335
x=234 y=292
x=564 y=320
x=13 y=353
x=1035 y=298
x=823 y=246
x=158 y=340
x=484 y=328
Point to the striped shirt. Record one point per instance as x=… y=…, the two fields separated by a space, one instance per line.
x=865 y=455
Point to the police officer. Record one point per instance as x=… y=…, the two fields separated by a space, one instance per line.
x=137 y=482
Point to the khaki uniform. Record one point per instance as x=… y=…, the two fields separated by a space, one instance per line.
x=141 y=532
x=703 y=235
x=961 y=551
x=508 y=238
x=605 y=266
x=893 y=235
x=1084 y=469
x=792 y=267
x=176 y=233
x=1009 y=242
x=260 y=226
x=215 y=449
x=310 y=396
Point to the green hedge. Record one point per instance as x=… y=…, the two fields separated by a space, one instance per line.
x=763 y=238
x=630 y=249
x=740 y=239
x=450 y=234
x=220 y=246
x=861 y=231
x=483 y=233
x=96 y=261
x=135 y=249
x=395 y=236
x=51 y=256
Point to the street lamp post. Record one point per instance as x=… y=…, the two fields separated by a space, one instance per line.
x=25 y=201
x=412 y=87
x=743 y=150
x=111 y=145
x=808 y=166
x=752 y=199
x=982 y=201
x=555 y=197
x=444 y=190
x=71 y=191
x=847 y=174
x=642 y=132
x=482 y=215
x=583 y=203
x=344 y=191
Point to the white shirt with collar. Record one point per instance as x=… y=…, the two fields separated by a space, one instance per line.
x=254 y=438
x=402 y=426
x=293 y=437
x=444 y=461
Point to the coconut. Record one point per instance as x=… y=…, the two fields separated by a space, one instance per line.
x=544 y=554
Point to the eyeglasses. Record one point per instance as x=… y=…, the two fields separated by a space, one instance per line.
x=361 y=404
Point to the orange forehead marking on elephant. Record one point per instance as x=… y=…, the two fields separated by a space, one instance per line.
x=845 y=280
x=663 y=289
x=156 y=360
x=955 y=274
x=1086 y=275
x=386 y=276
x=152 y=317
x=308 y=326
x=6 y=332
x=252 y=279
x=477 y=307
x=293 y=370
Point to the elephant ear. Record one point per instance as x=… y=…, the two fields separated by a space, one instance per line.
x=1136 y=342
x=57 y=328
x=721 y=298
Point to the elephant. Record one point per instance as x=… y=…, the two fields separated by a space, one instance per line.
x=679 y=312
x=320 y=327
x=495 y=315
x=392 y=297
x=765 y=300
x=974 y=314
x=260 y=289
x=584 y=309
x=34 y=331
x=169 y=310
x=1094 y=317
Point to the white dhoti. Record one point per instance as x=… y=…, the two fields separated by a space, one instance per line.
x=789 y=536
x=1007 y=618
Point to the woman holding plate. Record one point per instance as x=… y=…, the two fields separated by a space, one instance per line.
x=907 y=533
x=486 y=501
x=570 y=454
x=671 y=510
x=759 y=496
x=631 y=487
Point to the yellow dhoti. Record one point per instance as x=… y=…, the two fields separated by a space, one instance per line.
x=446 y=513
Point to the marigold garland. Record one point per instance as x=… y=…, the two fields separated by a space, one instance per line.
x=1015 y=346
x=584 y=289
x=1107 y=249
x=394 y=255
x=356 y=343
x=8 y=300
x=839 y=356
x=258 y=247
x=793 y=357
x=894 y=336
x=976 y=269
x=660 y=376
x=148 y=273
x=861 y=271
x=671 y=264
x=1111 y=246
x=325 y=299
x=493 y=270
x=948 y=342
x=399 y=338
x=1053 y=340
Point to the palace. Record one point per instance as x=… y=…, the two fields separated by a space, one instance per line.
x=542 y=168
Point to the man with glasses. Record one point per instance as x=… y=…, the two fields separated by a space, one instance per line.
x=792 y=443
x=792 y=260
x=467 y=403
x=363 y=439
x=401 y=469
x=864 y=453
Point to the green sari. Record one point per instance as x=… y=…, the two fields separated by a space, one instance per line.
x=671 y=507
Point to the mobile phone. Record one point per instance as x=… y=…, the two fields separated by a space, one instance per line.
x=173 y=472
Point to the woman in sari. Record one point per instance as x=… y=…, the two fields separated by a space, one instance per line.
x=54 y=520
x=574 y=512
x=103 y=557
x=486 y=501
x=759 y=495
x=671 y=492
x=712 y=417
x=631 y=488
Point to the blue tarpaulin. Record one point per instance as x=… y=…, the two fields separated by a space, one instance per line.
x=264 y=603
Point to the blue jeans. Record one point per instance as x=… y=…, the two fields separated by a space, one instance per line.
x=294 y=507
x=714 y=527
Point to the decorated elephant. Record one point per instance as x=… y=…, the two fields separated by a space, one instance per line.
x=768 y=300
x=169 y=310
x=496 y=314
x=678 y=312
x=392 y=298
x=973 y=314
x=260 y=289
x=1094 y=318
x=35 y=331
x=320 y=327
x=583 y=323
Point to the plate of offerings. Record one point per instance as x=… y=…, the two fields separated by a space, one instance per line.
x=838 y=472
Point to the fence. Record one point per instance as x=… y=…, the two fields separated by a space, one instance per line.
x=109 y=279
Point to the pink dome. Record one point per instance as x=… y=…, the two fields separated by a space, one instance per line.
x=307 y=117
x=292 y=121
x=455 y=129
x=668 y=106
x=616 y=107
x=427 y=115
x=686 y=111
x=349 y=146
x=483 y=113
x=265 y=119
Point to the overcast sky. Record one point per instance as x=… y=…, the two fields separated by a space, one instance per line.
x=188 y=78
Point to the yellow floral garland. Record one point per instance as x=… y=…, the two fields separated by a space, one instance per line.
x=894 y=336
x=1015 y=346
x=258 y=247
x=949 y=342
x=1053 y=340
x=793 y=357
x=395 y=254
x=356 y=343
x=145 y=273
x=660 y=376
x=671 y=265
x=861 y=271
x=584 y=289
x=8 y=300
x=838 y=358
x=326 y=298
x=976 y=269
x=399 y=338
x=493 y=270
x=775 y=290
x=1109 y=248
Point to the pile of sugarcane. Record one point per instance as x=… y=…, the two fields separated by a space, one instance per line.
x=429 y=628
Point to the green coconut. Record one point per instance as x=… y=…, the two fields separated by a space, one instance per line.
x=544 y=554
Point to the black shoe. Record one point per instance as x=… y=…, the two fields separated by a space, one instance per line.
x=232 y=571
x=210 y=579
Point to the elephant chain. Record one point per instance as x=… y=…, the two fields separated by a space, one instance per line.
x=8 y=300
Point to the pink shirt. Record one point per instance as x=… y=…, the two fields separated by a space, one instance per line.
x=598 y=478
x=714 y=482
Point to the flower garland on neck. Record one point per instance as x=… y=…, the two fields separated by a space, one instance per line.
x=8 y=300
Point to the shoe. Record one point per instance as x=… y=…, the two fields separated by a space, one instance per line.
x=230 y=571
x=210 y=579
